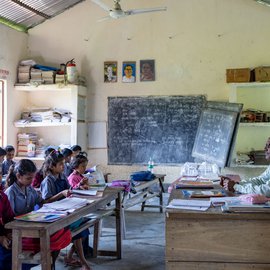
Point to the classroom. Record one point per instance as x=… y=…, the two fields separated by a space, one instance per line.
x=191 y=44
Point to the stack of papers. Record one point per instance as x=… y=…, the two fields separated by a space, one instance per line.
x=204 y=193
x=66 y=205
x=240 y=206
x=89 y=192
x=197 y=205
x=194 y=184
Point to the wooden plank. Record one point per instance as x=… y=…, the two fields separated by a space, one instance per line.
x=221 y=240
x=214 y=266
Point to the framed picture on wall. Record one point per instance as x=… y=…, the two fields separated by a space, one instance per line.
x=129 y=72
x=147 y=70
x=110 y=71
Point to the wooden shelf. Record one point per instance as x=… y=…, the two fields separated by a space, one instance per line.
x=31 y=158
x=247 y=166
x=41 y=124
x=44 y=87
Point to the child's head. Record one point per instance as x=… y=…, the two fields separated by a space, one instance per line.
x=67 y=153
x=10 y=152
x=54 y=163
x=23 y=173
x=48 y=151
x=79 y=163
x=76 y=149
x=3 y=152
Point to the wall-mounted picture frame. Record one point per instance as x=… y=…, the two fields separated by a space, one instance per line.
x=110 y=71
x=129 y=72
x=147 y=70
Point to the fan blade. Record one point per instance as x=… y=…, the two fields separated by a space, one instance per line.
x=144 y=10
x=104 y=19
x=101 y=4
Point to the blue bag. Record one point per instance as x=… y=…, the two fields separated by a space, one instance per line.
x=142 y=176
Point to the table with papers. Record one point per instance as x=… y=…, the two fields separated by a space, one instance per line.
x=214 y=240
x=43 y=230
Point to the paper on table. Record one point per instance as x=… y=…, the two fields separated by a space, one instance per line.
x=89 y=192
x=221 y=200
x=194 y=208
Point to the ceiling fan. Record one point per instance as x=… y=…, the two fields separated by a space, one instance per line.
x=116 y=12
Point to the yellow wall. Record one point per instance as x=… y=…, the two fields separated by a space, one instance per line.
x=193 y=43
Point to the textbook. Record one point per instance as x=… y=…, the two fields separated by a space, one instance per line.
x=40 y=217
x=240 y=206
x=204 y=193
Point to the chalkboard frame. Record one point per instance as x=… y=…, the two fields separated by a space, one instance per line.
x=215 y=146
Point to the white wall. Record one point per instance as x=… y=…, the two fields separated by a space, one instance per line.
x=192 y=43
x=13 y=48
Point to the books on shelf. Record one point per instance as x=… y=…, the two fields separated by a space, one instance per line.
x=24 y=73
x=204 y=193
x=35 y=216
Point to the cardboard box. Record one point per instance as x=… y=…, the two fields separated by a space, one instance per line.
x=262 y=74
x=238 y=75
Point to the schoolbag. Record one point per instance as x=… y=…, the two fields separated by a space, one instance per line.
x=142 y=176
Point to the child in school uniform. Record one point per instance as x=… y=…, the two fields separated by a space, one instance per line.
x=39 y=176
x=10 y=152
x=76 y=179
x=6 y=215
x=76 y=149
x=67 y=153
x=54 y=187
x=23 y=198
x=2 y=156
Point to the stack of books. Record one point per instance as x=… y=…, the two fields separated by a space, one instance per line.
x=24 y=74
x=60 y=78
x=36 y=76
x=48 y=77
x=23 y=139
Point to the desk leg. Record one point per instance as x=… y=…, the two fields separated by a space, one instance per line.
x=118 y=216
x=45 y=250
x=161 y=191
x=16 y=249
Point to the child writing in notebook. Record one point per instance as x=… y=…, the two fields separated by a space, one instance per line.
x=23 y=198
x=10 y=152
x=76 y=179
x=54 y=187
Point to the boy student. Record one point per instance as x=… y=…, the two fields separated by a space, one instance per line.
x=67 y=153
x=76 y=149
x=257 y=185
x=10 y=151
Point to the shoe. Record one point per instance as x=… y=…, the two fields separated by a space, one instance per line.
x=71 y=262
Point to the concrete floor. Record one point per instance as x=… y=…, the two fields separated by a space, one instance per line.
x=143 y=248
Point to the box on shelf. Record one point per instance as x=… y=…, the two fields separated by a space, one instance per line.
x=238 y=75
x=262 y=74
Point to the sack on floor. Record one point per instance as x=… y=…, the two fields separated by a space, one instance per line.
x=58 y=240
x=142 y=176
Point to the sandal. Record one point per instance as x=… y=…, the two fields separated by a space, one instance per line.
x=71 y=262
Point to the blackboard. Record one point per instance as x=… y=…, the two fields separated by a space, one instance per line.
x=161 y=127
x=214 y=136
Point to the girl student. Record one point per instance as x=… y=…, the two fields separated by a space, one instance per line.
x=23 y=198
x=54 y=187
x=76 y=179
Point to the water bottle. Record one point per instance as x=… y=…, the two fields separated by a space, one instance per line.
x=150 y=167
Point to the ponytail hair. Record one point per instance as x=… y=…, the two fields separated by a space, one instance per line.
x=23 y=167
x=51 y=161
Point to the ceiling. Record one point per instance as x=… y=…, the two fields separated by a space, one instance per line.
x=25 y=14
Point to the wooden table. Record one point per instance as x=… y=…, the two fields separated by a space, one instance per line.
x=213 y=240
x=144 y=192
x=44 y=230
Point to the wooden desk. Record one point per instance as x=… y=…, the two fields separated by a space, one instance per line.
x=214 y=240
x=44 y=230
x=144 y=192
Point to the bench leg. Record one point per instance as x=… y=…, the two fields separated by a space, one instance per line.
x=97 y=229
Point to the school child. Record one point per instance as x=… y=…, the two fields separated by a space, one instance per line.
x=76 y=179
x=39 y=176
x=54 y=187
x=23 y=198
x=2 y=156
x=67 y=153
x=10 y=152
x=6 y=215
x=76 y=149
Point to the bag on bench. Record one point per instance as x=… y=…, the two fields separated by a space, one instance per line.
x=142 y=176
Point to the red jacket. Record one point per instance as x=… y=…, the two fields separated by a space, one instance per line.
x=6 y=213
